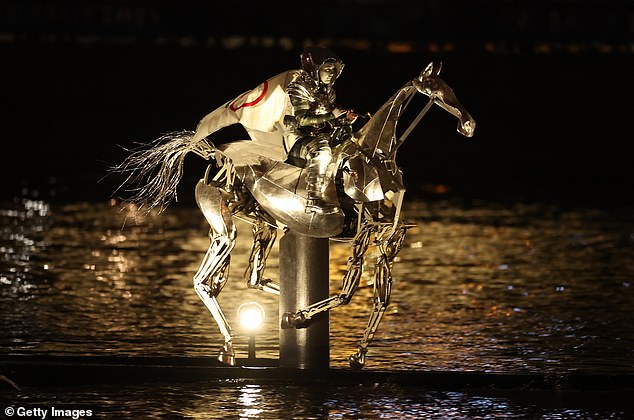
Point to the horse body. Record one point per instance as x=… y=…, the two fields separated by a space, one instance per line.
x=367 y=185
x=280 y=190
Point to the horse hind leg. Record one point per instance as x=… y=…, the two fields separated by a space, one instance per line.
x=264 y=234
x=382 y=291
x=214 y=269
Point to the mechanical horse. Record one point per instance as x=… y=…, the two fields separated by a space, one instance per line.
x=367 y=184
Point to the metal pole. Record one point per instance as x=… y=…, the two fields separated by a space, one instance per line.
x=304 y=266
x=252 y=347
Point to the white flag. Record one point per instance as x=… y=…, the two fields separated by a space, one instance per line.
x=261 y=112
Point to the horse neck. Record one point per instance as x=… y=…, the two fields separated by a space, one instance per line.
x=378 y=136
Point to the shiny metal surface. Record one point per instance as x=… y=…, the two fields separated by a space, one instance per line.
x=264 y=234
x=304 y=275
x=280 y=189
x=361 y=181
x=428 y=83
x=211 y=275
x=266 y=191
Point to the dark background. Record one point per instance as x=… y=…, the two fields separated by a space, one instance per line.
x=548 y=82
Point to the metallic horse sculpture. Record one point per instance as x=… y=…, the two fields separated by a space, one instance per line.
x=266 y=192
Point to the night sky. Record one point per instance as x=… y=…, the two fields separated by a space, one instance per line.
x=549 y=84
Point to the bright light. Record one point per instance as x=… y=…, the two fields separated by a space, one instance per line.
x=251 y=315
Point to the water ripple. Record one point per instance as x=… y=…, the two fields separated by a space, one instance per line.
x=530 y=287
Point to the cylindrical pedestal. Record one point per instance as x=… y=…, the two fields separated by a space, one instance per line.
x=304 y=279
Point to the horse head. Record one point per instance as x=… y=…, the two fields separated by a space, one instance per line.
x=428 y=83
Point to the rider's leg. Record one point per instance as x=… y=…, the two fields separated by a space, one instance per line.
x=264 y=235
x=319 y=158
x=382 y=291
x=213 y=272
x=350 y=283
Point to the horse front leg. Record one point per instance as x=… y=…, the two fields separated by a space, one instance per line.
x=350 y=283
x=382 y=291
x=264 y=234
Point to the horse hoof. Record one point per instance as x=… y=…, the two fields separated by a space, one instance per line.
x=357 y=360
x=227 y=356
x=293 y=320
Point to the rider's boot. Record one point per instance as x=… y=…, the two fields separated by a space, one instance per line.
x=316 y=201
x=317 y=179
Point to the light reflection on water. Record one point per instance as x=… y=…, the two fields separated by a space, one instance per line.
x=480 y=287
x=237 y=399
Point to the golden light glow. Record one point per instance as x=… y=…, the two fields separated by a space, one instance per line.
x=251 y=315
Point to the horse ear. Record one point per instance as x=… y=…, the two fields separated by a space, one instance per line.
x=438 y=68
x=427 y=72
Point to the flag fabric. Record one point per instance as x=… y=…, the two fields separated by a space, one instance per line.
x=260 y=111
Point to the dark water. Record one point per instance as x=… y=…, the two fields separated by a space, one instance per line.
x=229 y=399
x=479 y=286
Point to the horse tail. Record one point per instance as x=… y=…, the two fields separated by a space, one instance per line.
x=154 y=170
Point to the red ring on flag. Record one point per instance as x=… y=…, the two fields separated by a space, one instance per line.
x=265 y=88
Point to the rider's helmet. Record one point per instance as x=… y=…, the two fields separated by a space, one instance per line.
x=323 y=65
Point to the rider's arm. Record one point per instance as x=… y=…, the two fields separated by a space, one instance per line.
x=305 y=115
x=307 y=118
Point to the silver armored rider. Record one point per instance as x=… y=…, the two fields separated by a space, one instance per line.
x=254 y=180
x=316 y=121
